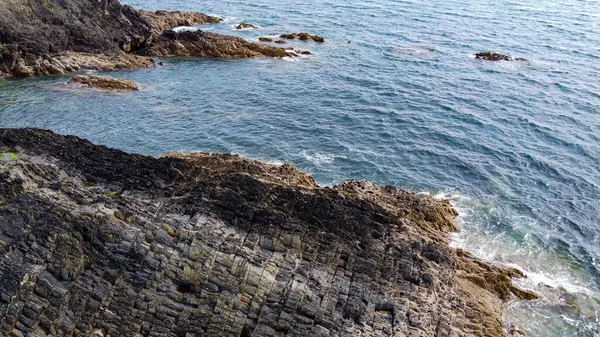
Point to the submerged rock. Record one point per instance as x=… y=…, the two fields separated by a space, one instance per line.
x=96 y=241
x=208 y=44
x=105 y=82
x=265 y=39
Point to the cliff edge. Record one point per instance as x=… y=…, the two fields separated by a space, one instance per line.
x=99 y=242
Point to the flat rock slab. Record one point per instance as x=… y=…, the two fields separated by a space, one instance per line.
x=105 y=82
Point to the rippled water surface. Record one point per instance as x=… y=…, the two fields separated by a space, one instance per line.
x=515 y=145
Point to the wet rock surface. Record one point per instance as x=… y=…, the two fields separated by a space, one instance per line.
x=99 y=242
x=105 y=82
x=209 y=44
x=489 y=56
x=244 y=25
x=302 y=36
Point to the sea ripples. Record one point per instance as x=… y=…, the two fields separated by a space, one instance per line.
x=514 y=145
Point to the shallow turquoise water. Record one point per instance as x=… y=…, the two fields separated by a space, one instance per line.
x=515 y=145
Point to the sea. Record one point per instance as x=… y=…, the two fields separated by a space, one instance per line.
x=394 y=96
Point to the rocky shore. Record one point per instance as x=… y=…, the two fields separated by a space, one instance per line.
x=99 y=242
x=59 y=36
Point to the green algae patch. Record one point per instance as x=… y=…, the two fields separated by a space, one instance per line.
x=8 y=153
x=114 y=194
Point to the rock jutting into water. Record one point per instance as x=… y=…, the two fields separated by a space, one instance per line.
x=302 y=36
x=244 y=25
x=105 y=82
x=208 y=44
x=61 y=36
x=99 y=242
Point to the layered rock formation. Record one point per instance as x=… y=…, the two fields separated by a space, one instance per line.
x=98 y=242
x=59 y=36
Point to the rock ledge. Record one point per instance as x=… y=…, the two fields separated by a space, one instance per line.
x=99 y=242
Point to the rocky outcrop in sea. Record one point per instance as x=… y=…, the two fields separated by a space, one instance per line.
x=60 y=36
x=98 y=242
x=209 y=44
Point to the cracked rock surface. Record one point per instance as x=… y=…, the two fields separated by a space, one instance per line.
x=99 y=242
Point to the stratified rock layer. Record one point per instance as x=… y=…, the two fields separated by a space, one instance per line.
x=98 y=242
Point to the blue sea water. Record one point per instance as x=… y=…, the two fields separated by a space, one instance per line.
x=514 y=145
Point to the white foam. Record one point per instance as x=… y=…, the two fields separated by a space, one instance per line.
x=274 y=162
x=318 y=158
x=538 y=265
x=185 y=29
x=228 y=19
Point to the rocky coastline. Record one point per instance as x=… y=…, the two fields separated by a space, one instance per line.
x=98 y=242
x=55 y=37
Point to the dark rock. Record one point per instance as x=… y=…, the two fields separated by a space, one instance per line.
x=289 y=36
x=60 y=36
x=488 y=56
x=265 y=39
x=302 y=36
x=280 y=41
x=212 y=244
x=244 y=25
x=305 y=52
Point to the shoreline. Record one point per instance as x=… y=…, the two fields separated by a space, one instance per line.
x=386 y=247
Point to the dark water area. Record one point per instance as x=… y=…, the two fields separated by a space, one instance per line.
x=514 y=145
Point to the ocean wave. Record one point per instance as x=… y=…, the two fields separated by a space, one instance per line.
x=180 y=29
x=318 y=158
